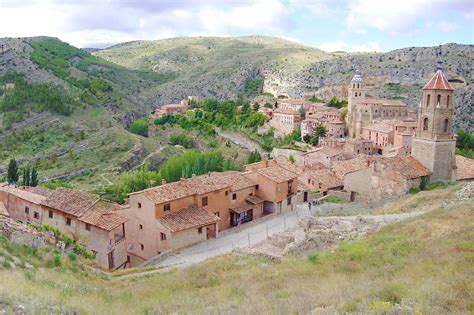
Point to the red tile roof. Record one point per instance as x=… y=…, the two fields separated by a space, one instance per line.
x=326 y=177
x=243 y=207
x=102 y=215
x=277 y=174
x=21 y=193
x=73 y=202
x=465 y=168
x=236 y=179
x=438 y=82
x=187 y=218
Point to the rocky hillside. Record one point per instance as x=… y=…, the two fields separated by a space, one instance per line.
x=220 y=67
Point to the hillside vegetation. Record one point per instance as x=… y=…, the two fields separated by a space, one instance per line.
x=420 y=266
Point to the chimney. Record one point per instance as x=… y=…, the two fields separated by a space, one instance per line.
x=163 y=181
x=182 y=181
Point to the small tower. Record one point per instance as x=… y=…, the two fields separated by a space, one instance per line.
x=356 y=94
x=434 y=144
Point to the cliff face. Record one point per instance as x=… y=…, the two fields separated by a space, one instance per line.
x=397 y=74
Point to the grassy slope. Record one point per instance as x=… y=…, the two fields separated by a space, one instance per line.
x=422 y=264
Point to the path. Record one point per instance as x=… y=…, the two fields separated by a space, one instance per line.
x=249 y=236
x=241 y=140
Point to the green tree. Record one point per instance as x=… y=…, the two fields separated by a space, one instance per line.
x=26 y=176
x=34 y=178
x=254 y=157
x=139 y=127
x=12 y=173
x=256 y=107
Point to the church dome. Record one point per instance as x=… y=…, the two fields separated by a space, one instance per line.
x=357 y=77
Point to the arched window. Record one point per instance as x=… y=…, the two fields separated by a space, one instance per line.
x=438 y=101
x=357 y=85
x=428 y=99
x=446 y=125
x=425 y=123
x=355 y=93
x=447 y=101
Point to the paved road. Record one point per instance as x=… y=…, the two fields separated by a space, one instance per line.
x=250 y=236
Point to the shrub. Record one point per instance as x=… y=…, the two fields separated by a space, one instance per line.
x=72 y=256
x=314 y=258
x=414 y=190
x=57 y=260
x=139 y=127
x=182 y=140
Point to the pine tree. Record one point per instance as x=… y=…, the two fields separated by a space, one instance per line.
x=34 y=178
x=26 y=176
x=12 y=174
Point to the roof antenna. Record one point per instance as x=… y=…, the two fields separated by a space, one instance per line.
x=439 y=63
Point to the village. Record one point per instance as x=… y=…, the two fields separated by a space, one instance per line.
x=376 y=150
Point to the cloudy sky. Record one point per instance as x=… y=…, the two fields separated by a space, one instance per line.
x=355 y=25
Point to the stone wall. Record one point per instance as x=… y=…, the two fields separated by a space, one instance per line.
x=19 y=233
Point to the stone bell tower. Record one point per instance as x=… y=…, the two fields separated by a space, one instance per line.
x=356 y=93
x=434 y=144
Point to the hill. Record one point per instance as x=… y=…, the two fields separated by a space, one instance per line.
x=220 y=67
x=419 y=266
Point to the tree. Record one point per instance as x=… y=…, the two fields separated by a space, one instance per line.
x=256 y=107
x=12 y=174
x=26 y=176
x=139 y=127
x=254 y=157
x=34 y=178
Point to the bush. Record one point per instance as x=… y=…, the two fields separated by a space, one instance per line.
x=314 y=258
x=57 y=260
x=72 y=256
x=139 y=127
x=182 y=140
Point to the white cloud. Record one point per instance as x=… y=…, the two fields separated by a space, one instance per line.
x=448 y=27
x=400 y=16
x=343 y=46
x=315 y=7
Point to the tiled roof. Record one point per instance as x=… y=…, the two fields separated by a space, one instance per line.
x=358 y=141
x=329 y=151
x=341 y=168
x=465 y=167
x=277 y=174
x=243 y=207
x=326 y=177
x=286 y=112
x=187 y=187
x=438 y=82
x=23 y=194
x=3 y=210
x=314 y=167
x=287 y=165
x=235 y=179
x=102 y=215
x=73 y=202
x=254 y=200
x=379 y=127
x=408 y=166
x=39 y=190
x=186 y=218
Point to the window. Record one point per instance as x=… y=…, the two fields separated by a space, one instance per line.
x=163 y=236
x=288 y=201
x=256 y=187
x=27 y=210
x=142 y=247
x=68 y=221
x=36 y=215
x=438 y=100
x=204 y=201
x=50 y=214
x=447 y=101
x=140 y=226
x=234 y=196
x=428 y=99
x=139 y=205
x=446 y=125
x=167 y=207
x=200 y=230
x=88 y=227
x=226 y=192
x=217 y=214
x=425 y=123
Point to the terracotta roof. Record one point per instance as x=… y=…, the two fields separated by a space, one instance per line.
x=23 y=194
x=358 y=141
x=287 y=165
x=286 y=112
x=314 y=167
x=39 y=190
x=235 y=179
x=102 y=215
x=187 y=187
x=438 y=82
x=408 y=166
x=73 y=202
x=254 y=200
x=277 y=174
x=326 y=177
x=329 y=151
x=186 y=218
x=243 y=207
x=3 y=210
x=341 y=168
x=379 y=127
x=465 y=167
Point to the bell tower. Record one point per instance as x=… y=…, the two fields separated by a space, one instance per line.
x=356 y=93
x=434 y=144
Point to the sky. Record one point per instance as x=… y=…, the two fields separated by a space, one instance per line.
x=331 y=25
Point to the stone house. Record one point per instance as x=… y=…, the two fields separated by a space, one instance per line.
x=381 y=134
x=87 y=219
x=318 y=178
x=285 y=121
x=358 y=146
x=324 y=155
x=384 y=178
x=172 y=109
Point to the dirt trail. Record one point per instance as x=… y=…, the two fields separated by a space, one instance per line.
x=241 y=140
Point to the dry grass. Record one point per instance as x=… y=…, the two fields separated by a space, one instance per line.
x=424 y=264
